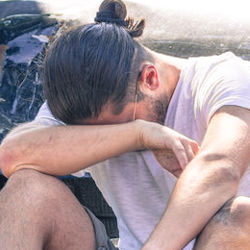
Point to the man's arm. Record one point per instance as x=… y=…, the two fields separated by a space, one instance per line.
x=61 y=150
x=209 y=180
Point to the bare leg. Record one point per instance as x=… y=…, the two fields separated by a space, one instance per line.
x=38 y=211
x=229 y=229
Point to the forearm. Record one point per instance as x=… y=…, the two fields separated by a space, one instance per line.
x=194 y=201
x=208 y=181
x=61 y=150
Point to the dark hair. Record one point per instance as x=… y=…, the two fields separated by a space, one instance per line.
x=94 y=64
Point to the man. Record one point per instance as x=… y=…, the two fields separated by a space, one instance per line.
x=109 y=78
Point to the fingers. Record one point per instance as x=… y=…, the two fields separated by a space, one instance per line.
x=185 y=151
x=165 y=138
x=189 y=151
x=181 y=154
x=177 y=173
x=168 y=160
x=195 y=147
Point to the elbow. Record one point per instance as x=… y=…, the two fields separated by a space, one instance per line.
x=219 y=172
x=8 y=159
x=4 y=161
x=16 y=149
x=228 y=177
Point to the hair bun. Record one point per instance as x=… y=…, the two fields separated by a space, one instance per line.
x=115 y=11
x=109 y=17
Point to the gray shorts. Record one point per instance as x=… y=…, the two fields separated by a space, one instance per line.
x=102 y=240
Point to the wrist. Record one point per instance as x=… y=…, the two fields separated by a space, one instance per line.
x=149 y=135
x=140 y=126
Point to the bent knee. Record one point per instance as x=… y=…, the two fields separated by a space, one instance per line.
x=240 y=210
x=35 y=185
x=31 y=177
x=229 y=228
x=235 y=212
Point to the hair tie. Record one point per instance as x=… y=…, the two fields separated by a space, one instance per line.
x=109 y=17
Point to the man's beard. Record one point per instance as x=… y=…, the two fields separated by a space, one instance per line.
x=157 y=108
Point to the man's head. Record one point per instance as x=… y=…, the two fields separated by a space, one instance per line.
x=98 y=73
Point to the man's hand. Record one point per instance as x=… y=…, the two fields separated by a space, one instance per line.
x=171 y=149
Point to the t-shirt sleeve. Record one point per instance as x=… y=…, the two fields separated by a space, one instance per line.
x=45 y=117
x=227 y=82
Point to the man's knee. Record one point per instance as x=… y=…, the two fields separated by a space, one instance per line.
x=32 y=179
x=229 y=228
x=32 y=188
x=235 y=212
x=47 y=209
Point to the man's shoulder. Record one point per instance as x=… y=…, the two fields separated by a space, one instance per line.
x=224 y=67
x=45 y=117
x=206 y=62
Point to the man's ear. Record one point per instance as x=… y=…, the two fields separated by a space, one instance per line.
x=149 y=80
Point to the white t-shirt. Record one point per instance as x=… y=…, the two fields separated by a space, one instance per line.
x=134 y=184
